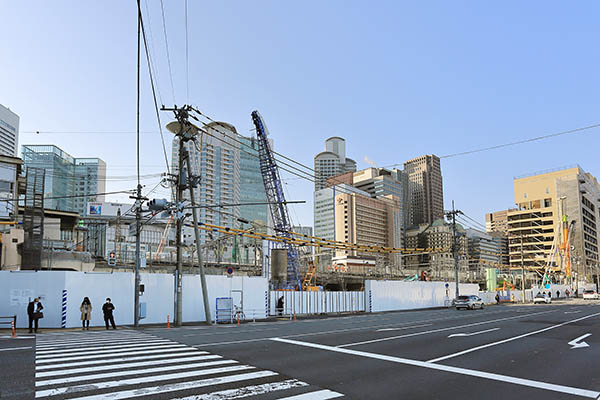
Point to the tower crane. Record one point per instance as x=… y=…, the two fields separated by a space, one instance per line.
x=276 y=199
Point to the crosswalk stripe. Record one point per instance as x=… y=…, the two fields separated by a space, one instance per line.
x=91 y=340
x=107 y=346
x=161 y=350
x=173 y=387
x=104 y=353
x=122 y=359
x=87 y=334
x=319 y=395
x=62 y=381
x=247 y=391
x=137 y=381
x=94 y=343
x=112 y=366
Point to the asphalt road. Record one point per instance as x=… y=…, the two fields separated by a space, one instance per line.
x=532 y=352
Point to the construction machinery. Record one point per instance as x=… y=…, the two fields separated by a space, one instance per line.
x=276 y=199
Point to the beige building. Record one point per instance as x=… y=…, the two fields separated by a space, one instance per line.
x=425 y=189
x=497 y=221
x=542 y=200
x=368 y=221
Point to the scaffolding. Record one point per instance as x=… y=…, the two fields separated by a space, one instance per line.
x=33 y=219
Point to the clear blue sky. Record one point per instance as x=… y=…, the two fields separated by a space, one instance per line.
x=396 y=79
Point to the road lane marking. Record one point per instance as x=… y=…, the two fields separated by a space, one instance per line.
x=83 y=357
x=172 y=387
x=17 y=348
x=188 y=353
x=446 y=368
x=473 y=333
x=440 y=329
x=572 y=312
x=356 y=329
x=460 y=353
x=576 y=343
x=112 y=366
x=402 y=328
x=137 y=381
x=247 y=391
x=62 y=381
x=319 y=395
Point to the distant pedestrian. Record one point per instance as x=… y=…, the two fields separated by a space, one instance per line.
x=86 y=313
x=557 y=294
x=567 y=293
x=497 y=298
x=280 y=306
x=34 y=312
x=107 y=309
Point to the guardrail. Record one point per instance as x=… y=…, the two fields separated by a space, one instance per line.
x=12 y=321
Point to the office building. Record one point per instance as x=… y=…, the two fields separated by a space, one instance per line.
x=324 y=215
x=332 y=161
x=497 y=222
x=425 y=189
x=9 y=132
x=366 y=221
x=484 y=251
x=544 y=200
x=10 y=173
x=437 y=264
x=70 y=183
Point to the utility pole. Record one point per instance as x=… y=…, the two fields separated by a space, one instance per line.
x=138 y=197
x=452 y=214
x=185 y=131
x=522 y=268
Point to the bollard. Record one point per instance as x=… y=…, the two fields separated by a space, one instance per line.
x=238 y=320
x=168 y=322
x=294 y=315
x=12 y=325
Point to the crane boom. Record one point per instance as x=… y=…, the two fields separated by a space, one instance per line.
x=276 y=198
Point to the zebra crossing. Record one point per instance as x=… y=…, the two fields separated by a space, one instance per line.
x=127 y=364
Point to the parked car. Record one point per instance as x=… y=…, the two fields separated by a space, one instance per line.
x=590 y=295
x=542 y=298
x=468 y=302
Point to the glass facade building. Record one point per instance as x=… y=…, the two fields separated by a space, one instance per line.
x=70 y=182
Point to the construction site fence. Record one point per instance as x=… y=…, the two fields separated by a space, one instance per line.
x=315 y=302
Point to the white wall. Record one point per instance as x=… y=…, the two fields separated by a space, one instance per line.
x=17 y=288
x=317 y=302
x=400 y=295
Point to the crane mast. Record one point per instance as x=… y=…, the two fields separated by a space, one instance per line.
x=276 y=199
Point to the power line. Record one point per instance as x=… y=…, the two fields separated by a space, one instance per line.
x=153 y=52
x=522 y=141
x=187 y=64
x=162 y=138
x=162 y=8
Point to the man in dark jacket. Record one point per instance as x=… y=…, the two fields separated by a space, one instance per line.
x=34 y=309
x=107 y=309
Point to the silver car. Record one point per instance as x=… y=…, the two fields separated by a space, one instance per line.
x=468 y=302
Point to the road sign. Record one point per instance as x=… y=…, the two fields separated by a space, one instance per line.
x=229 y=271
x=447 y=286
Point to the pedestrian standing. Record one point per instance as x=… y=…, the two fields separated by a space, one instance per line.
x=107 y=309
x=557 y=294
x=280 y=306
x=497 y=298
x=86 y=313
x=34 y=312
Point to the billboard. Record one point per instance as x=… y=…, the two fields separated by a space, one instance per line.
x=108 y=209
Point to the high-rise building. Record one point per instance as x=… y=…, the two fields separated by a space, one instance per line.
x=252 y=188
x=324 y=209
x=485 y=251
x=70 y=183
x=363 y=220
x=425 y=189
x=380 y=182
x=9 y=132
x=497 y=222
x=218 y=165
x=546 y=203
x=332 y=161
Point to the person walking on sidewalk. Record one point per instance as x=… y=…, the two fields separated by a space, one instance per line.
x=34 y=312
x=107 y=309
x=86 y=313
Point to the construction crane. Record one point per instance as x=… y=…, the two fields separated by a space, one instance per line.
x=276 y=200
